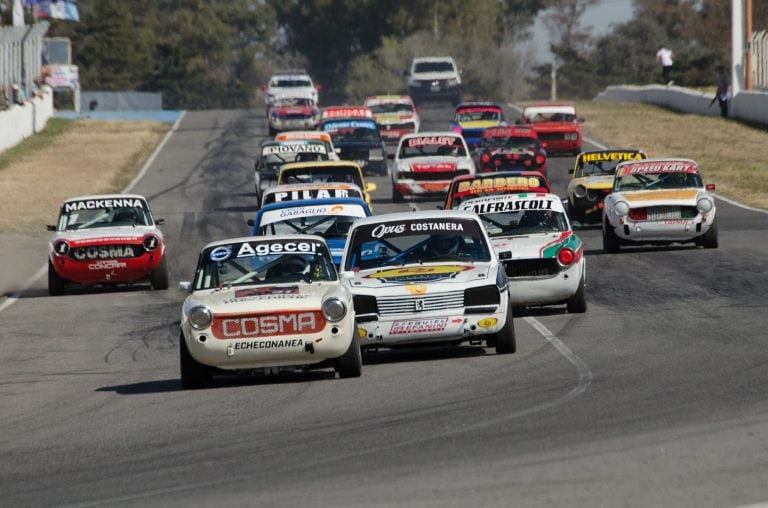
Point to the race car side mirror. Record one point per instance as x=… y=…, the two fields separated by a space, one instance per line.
x=506 y=254
x=710 y=186
x=185 y=286
x=159 y=222
x=50 y=227
x=570 y=171
x=370 y=187
x=251 y=222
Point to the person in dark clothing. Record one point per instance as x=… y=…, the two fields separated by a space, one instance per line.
x=723 y=90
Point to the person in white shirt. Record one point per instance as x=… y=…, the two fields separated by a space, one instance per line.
x=664 y=57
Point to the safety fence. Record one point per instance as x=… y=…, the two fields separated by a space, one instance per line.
x=21 y=54
x=759 y=52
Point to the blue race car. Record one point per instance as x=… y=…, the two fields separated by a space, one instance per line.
x=329 y=218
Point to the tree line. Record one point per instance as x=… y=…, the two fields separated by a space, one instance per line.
x=203 y=54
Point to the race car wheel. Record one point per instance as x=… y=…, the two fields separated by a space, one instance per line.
x=504 y=340
x=709 y=239
x=396 y=196
x=55 y=283
x=611 y=242
x=194 y=375
x=350 y=364
x=272 y=132
x=577 y=304
x=159 y=277
x=574 y=214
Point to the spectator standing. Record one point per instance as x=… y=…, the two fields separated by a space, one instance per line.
x=19 y=97
x=5 y=101
x=723 y=90
x=664 y=57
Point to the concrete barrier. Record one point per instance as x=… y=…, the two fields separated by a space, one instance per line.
x=19 y=122
x=748 y=106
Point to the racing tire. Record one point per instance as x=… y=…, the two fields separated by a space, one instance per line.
x=159 y=277
x=396 y=196
x=709 y=239
x=350 y=364
x=577 y=304
x=611 y=242
x=574 y=214
x=194 y=375
x=272 y=132
x=504 y=340
x=55 y=283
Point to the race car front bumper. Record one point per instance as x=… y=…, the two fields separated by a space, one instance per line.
x=663 y=231
x=546 y=289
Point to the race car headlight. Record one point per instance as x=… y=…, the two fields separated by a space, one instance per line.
x=61 y=248
x=621 y=208
x=334 y=309
x=200 y=317
x=705 y=205
x=151 y=242
x=566 y=257
x=580 y=191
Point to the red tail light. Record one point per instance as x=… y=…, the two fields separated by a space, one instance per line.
x=485 y=158
x=566 y=256
x=540 y=159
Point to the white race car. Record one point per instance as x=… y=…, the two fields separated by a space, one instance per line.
x=427 y=277
x=266 y=304
x=544 y=259
x=659 y=202
x=290 y=83
x=426 y=162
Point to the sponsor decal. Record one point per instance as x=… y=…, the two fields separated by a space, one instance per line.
x=508 y=206
x=322 y=136
x=434 y=187
x=611 y=156
x=457 y=320
x=437 y=167
x=279 y=290
x=416 y=289
x=220 y=253
x=270 y=344
x=682 y=195
x=432 y=141
x=247 y=249
x=418 y=326
x=351 y=124
x=498 y=184
x=420 y=272
x=109 y=264
x=487 y=322
x=347 y=112
x=293 y=148
x=266 y=325
x=104 y=252
x=640 y=168
x=506 y=132
x=299 y=194
x=362 y=333
x=96 y=204
x=418 y=227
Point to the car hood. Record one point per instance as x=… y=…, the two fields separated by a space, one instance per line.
x=386 y=118
x=106 y=235
x=535 y=246
x=685 y=197
x=450 y=274
x=266 y=298
x=594 y=182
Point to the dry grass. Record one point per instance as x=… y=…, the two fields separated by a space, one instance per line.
x=732 y=155
x=88 y=157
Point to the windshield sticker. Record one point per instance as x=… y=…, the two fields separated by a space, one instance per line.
x=611 y=156
x=432 y=141
x=395 y=229
x=352 y=124
x=98 y=204
x=497 y=205
x=639 y=168
x=347 y=112
x=496 y=184
x=293 y=148
x=247 y=249
x=302 y=194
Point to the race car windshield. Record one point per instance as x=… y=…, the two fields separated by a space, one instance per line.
x=291 y=83
x=278 y=159
x=526 y=222
x=104 y=218
x=416 y=241
x=550 y=117
x=434 y=67
x=654 y=181
x=331 y=226
x=322 y=175
x=414 y=148
x=520 y=142
x=264 y=269
x=596 y=168
x=477 y=115
x=353 y=132
x=391 y=108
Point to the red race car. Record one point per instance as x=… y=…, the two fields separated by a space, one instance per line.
x=106 y=240
x=556 y=124
x=511 y=149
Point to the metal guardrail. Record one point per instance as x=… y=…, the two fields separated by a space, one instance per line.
x=759 y=51
x=20 y=54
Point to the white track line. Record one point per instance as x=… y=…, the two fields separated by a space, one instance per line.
x=15 y=296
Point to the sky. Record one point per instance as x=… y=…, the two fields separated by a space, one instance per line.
x=599 y=17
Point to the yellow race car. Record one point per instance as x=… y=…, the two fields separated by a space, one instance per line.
x=327 y=172
x=592 y=179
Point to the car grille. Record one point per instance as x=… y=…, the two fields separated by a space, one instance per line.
x=657 y=213
x=115 y=251
x=389 y=305
x=531 y=268
x=398 y=126
x=554 y=136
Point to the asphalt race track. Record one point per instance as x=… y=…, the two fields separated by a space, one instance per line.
x=655 y=397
